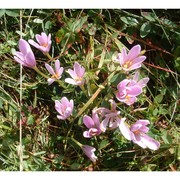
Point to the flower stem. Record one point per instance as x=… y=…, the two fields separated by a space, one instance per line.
x=77 y=142
x=49 y=56
x=83 y=89
x=39 y=72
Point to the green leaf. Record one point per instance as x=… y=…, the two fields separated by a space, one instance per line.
x=12 y=13
x=48 y=25
x=37 y=20
x=2 y=12
x=103 y=144
x=149 y=16
x=168 y=23
x=166 y=138
x=30 y=120
x=39 y=153
x=77 y=25
x=158 y=98
x=163 y=111
x=155 y=112
x=145 y=29
x=20 y=33
x=75 y=166
x=117 y=78
x=129 y=20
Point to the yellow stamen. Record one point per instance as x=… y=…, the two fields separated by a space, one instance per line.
x=44 y=45
x=136 y=132
x=127 y=64
x=55 y=76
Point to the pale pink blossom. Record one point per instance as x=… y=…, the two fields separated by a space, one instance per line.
x=132 y=60
x=93 y=124
x=77 y=75
x=142 y=82
x=110 y=117
x=64 y=107
x=89 y=151
x=44 y=42
x=138 y=134
x=55 y=74
x=129 y=89
x=25 y=56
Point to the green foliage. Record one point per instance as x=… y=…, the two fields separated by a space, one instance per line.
x=93 y=38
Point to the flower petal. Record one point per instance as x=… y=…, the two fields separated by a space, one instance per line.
x=89 y=151
x=134 y=91
x=123 y=56
x=86 y=134
x=103 y=125
x=61 y=117
x=70 y=81
x=50 y=81
x=88 y=121
x=57 y=65
x=30 y=59
x=125 y=130
x=130 y=101
x=95 y=118
x=134 y=52
x=24 y=47
x=33 y=43
x=78 y=69
x=136 y=76
x=143 y=82
x=140 y=143
x=150 y=142
x=72 y=73
x=50 y=69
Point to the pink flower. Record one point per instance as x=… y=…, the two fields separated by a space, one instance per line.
x=77 y=75
x=89 y=151
x=132 y=60
x=64 y=107
x=44 y=42
x=55 y=74
x=128 y=89
x=111 y=119
x=142 y=83
x=138 y=134
x=25 y=56
x=93 y=124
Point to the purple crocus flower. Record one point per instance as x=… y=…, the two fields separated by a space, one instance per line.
x=89 y=151
x=25 y=56
x=138 y=134
x=132 y=60
x=110 y=117
x=93 y=124
x=44 y=42
x=142 y=82
x=77 y=75
x=64 y=107
x=55 y=74
x=128 y=89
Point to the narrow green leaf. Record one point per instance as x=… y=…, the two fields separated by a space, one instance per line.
x=39 y=153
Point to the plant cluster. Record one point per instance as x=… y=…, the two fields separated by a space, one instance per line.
x=102 y=118
x=96 y=90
